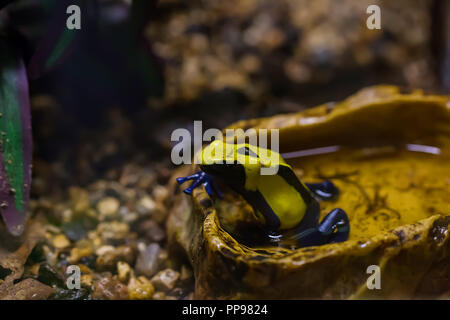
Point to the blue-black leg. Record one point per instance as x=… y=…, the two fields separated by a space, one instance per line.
x=324 y=190
x=334 y=227
x=200 y=178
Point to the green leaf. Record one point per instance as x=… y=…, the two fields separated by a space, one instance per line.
x=15 y=138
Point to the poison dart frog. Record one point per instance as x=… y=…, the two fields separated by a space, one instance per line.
x=285 y=206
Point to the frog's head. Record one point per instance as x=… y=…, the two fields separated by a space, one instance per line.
x=231 y=161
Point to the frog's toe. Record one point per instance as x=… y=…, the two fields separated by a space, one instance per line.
x=182 y=180
x=194 y=185
x=200 y=178
x=325 y=190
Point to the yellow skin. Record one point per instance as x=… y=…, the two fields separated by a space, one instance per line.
x=287 y=203
x=282 y=203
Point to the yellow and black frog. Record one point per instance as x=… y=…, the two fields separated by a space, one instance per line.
x=286 y=206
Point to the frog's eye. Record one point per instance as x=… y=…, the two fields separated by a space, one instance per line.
x=247 y=152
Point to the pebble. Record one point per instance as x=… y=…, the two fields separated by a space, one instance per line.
x=148 y=260
x=79 y=199
x=159 y=295
x=165 y=280
x=160 y=193
x=108 y=260
x=160 y=213
x=87 y=280
x=60 y=241
x=145 y=206
x=113 y=230
x=104 y=249
x=49 y=276
x=109 y=288
x=127 y=215
x=108 y=207
x=152 y=231
x=140 y=288
x=123 y=271
x=82 y=249
x=50 y=256
x=84 y=268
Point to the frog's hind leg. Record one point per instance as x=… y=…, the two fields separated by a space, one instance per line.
x=325 y=190
x=334 y=227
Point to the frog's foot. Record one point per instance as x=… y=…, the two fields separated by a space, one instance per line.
x=201 y=178
x=334 y=227
x=324 y=190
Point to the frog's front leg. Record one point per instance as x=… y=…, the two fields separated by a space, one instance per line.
x=325 y=190
x=201 y=178
x=334 y=227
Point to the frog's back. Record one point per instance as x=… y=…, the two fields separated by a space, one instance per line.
x=284 y=200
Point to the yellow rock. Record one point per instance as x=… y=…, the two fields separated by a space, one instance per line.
x=86 y=280
x=79 y=199
x=84 y=268
x=140 y=288
x=60 y=241
x=123 y=271
x=108 y=206
x=83 y=249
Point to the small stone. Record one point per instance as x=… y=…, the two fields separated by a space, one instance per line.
x=104 y=249
x=113 y=230
x=79 y=199
x=67 y=294
x=148 y=260
x=159 y=295
x=160 y=193
x=50 y=256
x=96 y=240
x=160 y=213
x=145 y=206
x=52 y=229
x=108 y=207
x=50 y=276
x=84 y=268
x=165 y=280
x=127 y=215
x=108 y=260
x=60 y=241
x=123 y=271
x=83 y=249
x=152 y=231
x=250 y=63
x=163 y=259
x=140 y=288
x=109 y=288
x=130 y=218
x=86 y=280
